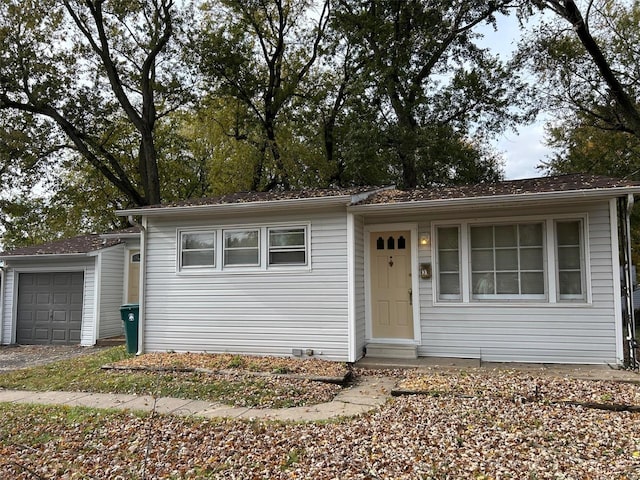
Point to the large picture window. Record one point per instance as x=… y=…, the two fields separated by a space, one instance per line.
x=530 y=260
x=507 y=261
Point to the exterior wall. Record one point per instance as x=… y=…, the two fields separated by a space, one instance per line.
x=252 y=312
x=14 y=266
x=112 y=265
x=525 y=331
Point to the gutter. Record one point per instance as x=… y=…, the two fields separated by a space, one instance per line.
x=143 y=287
x=244 y=207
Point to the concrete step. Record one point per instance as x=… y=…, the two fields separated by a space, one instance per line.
x=390 y=350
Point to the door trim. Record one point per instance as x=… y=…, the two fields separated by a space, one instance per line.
x=415 y=284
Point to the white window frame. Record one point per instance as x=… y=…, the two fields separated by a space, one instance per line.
x=304 y=247
x=447 y=297
x=225 y=249
x=263 y=250
x=552 y=295
x=181 y=234
x=572 y=298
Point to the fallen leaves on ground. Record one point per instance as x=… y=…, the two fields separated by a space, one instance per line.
x=227 y=361
x=480 y=437
x=520 y=385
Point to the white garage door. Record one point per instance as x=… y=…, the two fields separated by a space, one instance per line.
x=49 y=308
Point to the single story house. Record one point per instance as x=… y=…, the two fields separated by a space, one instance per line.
x=69 y=291
x=523 y=270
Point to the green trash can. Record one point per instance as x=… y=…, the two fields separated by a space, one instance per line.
x=129 y=314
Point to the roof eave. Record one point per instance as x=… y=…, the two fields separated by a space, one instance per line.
x=43 y=255
x=245 y=207
x=497 y=200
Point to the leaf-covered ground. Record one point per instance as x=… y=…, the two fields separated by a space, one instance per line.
x=413 y=437
x=209 y=361
x=519 y=386
x=84 y=374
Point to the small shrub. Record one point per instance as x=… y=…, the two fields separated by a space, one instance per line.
x=236 y=362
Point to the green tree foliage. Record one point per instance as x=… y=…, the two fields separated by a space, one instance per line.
x=588 y=64
x=259 y=53
x=95 y=77
x=429 y=86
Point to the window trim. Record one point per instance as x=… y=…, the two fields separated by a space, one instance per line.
x=263 y=249
x=304 y=247
x=225 y=249
x=448 y=297
x=550 y=261
x=180 y=250
x=572 y=299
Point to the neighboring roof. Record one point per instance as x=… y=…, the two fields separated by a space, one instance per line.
x=559 y=183
x=69 y=246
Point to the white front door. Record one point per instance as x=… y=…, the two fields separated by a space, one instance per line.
x=391 y=294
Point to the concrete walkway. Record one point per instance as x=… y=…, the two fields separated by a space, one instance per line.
x=366 y=394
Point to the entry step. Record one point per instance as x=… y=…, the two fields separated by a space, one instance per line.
x=386 y=350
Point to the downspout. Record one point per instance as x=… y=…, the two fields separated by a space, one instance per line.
x=631 y=327
x=2 y=289
x=143 y=289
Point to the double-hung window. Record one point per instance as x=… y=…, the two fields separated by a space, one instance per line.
x=570 y=254
x=449 y=263
x=197 y=249
x=507 y=261
x=287 y=246
x=242 y=248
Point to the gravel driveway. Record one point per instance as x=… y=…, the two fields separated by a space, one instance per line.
x=15 y=357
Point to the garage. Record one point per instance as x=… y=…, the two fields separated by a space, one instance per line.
x=49 y=308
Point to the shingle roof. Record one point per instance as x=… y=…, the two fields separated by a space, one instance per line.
x=558 y=183
x=251 y=197
x=78 y=245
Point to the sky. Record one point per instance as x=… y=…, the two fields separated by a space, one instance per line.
x=524 y=149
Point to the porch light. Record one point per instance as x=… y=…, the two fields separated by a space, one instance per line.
x=425 y=240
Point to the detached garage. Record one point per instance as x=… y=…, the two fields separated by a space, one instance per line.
x=63 y=293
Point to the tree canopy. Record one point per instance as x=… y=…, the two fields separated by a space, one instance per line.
x=107 y=104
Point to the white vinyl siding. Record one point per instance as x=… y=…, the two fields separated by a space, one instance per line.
x=562 y=332
x=360 y=308
x=250 y=310
x=112 y=263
